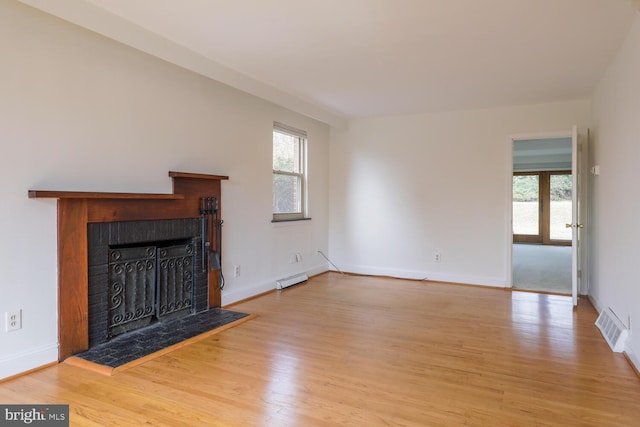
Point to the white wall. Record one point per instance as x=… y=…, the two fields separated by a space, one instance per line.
x=404 y=188
x=81 y=112
x=615 y=257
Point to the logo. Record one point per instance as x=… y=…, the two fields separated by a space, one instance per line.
x=34 y=415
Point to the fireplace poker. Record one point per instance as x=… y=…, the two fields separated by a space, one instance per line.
x=209 y=210
x=203 y=239
x=218 y=224
x=208 y=205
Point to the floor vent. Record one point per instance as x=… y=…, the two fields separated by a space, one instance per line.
x=612 y=329
x=292 y=280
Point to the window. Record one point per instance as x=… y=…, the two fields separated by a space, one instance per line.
x=289 y=173
x=541 y=207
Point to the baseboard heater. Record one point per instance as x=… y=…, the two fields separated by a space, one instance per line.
x=291 y=280
x=613 y=330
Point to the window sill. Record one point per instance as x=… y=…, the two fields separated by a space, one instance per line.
x=289 y=222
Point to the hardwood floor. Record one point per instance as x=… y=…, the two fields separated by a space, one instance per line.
x=361 y=351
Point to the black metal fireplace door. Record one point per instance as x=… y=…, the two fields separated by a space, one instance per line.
x=148 y=284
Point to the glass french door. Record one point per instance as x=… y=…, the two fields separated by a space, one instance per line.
x=542 y=207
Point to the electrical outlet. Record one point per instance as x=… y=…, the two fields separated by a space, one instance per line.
x=298 y=257
x=236 y=271
x=14 y=320
x=437 y=257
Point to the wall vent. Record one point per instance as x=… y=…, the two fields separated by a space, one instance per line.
x=613 y=330
x=292 y=280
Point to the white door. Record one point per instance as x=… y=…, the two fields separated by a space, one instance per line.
x=576 y=225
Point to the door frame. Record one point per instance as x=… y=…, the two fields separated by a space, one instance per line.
x=509 y=190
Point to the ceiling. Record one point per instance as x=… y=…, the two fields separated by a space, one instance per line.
x=339 y=59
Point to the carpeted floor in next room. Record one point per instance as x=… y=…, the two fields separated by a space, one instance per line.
x=542 y=268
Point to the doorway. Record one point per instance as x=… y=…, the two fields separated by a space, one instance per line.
x=541 y=207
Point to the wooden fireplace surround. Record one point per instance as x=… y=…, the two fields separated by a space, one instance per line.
x=77 y=209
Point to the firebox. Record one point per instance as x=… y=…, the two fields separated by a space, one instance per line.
x=143 y=272
x=149 y=283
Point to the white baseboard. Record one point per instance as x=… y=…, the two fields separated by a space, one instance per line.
x=596 y=303
x=244 y=292
x=28 y=360
x=319 y=269
x=425 y=275
x=633 y=358
x=235 y=295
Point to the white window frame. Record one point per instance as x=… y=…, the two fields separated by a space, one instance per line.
x=302 y=150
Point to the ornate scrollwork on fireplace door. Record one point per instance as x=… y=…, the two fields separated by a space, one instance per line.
x=148 y=283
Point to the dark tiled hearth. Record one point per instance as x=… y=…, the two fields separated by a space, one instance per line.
x=143 y=342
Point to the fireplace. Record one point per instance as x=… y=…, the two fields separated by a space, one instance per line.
x=143 y=272
x=143 y=230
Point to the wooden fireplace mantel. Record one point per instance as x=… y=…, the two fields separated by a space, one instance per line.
x=76 y=209
x=35 y=194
